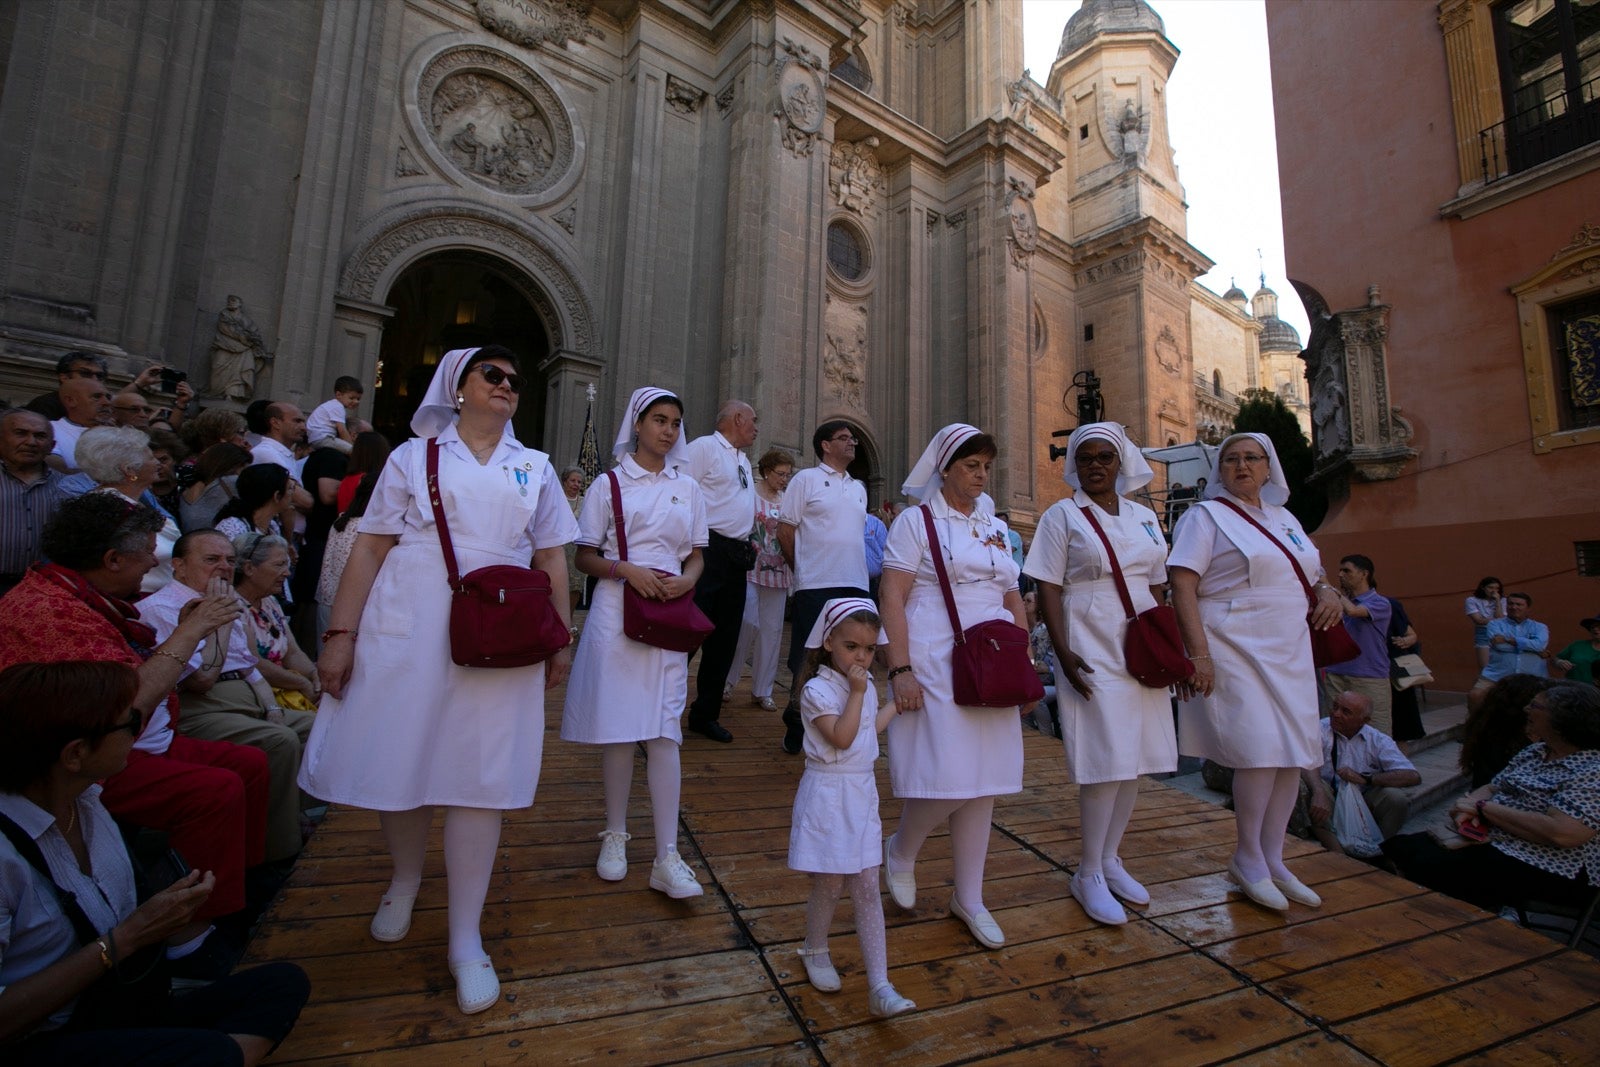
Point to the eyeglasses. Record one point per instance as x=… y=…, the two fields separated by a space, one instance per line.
x=744 y=479
x=845 y=439
x=134 y=725
x=495 y=376
x=1249 y=458
x=1099 y=459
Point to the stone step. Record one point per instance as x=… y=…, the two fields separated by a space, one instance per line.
x=1442 y=777
x=1443 y=724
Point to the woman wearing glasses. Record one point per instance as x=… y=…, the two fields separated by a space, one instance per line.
x=1113 y=727
x=1253 y=696
x=401 y=728
x=947 y=761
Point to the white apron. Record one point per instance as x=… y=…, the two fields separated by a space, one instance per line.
x=1262 y=711
x=946 y=750
x=413 y=729
x=835 y=828
x=1124 y=729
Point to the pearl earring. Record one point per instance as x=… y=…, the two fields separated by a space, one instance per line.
x=460 y=399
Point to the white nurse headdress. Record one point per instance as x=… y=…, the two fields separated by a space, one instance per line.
x=1134 y=472
x=836 y=611
x=928 y=475
x=1275 y=491
x=638 y=403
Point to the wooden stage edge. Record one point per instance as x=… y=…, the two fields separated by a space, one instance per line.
x=599 y=972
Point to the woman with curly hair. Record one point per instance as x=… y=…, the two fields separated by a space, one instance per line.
x=1496 y=731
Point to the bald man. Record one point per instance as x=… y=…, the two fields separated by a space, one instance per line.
x=30 y=491
x=1354 y=752
x=718 y=463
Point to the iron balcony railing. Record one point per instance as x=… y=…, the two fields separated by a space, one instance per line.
x=1552 y=127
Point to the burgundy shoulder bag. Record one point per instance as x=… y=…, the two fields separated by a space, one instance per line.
x=677 y=625
x=500 y=616
x=989 y=665
x=1151 y=649
x=1329 y=647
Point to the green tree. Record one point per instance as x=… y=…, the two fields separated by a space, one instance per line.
x=1263 y=411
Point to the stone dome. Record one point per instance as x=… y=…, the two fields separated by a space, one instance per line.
x=1108 y=16
x=1235 y=293
x=1278 y=336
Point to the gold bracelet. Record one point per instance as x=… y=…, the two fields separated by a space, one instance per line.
x=105 y=953
x=173 y=656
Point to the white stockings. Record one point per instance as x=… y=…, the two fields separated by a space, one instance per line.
x=664 y=775
x=1263 y=800
x=471 y=840
x=1104 y=809
x=969 y=840
x=868 y=903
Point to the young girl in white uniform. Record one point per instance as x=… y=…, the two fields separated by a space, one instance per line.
x=624 y=691
x=835 y=830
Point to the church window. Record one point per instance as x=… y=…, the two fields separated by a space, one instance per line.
x=1083 y=133
x=1588 y=553
x=1088 y=331
x=1216 y=383
x=846 y=256
x=1549 y=58
x=1575 y=348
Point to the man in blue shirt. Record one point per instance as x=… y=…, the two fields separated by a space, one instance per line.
x=1366 y=617
x=876 y=540
x=1517 y=644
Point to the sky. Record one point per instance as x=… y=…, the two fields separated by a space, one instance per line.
x=1219 y=113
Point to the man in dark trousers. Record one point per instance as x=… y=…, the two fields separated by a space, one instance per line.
x=718 y=463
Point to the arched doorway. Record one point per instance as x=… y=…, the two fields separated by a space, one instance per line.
x=459 y=298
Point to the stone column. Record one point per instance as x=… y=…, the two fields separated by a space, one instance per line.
x=568 y=376
x=356 y=340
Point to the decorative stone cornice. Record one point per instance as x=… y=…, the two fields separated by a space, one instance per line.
x=532 y=23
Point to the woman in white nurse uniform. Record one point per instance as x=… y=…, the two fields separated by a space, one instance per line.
x=624 y=691
x=401 y=728
x=949 y=762
x=1114 y=728
x=1253 y=693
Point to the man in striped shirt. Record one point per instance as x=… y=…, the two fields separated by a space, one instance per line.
x=30 y=491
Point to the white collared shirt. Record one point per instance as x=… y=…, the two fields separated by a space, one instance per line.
x=725 y=482
x=1368 y=752
x=271 y=450
x=160 y=610
x=663 y=515
x=828 y=510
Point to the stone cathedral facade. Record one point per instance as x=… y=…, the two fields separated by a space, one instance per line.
x=859 y=209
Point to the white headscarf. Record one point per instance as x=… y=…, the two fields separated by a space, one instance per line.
x=641 y=399
x=1134 y=471
x=1276 y=489
x=836 y=611
x=928 y=475
x=438 y=408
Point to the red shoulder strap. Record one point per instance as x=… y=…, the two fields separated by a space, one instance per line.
x=1298 y=573
x=1116 y=568
x=616 y=516
x=944 y=578
x=438 y=513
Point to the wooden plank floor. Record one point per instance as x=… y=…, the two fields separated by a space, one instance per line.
x=592 y=971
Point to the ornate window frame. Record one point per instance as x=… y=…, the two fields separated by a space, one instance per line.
x=1473 y=66
x=1572 y=273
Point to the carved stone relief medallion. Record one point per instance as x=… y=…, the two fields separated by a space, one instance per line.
x=1024 y=223
x=1168 y=354
x=533 y=22
x=801 y=104
x=495 y=121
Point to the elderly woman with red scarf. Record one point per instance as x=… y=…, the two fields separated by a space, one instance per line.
x=209 y=796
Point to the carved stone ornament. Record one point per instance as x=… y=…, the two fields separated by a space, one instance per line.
x=801 y=103
x=1126 y=129
x=1167 y=352
x=844 y=352
x=1024 y=224
x=725 y=98
x=855 y=176
x=567 y=218
x=1024 y=98
x=495 y=120
x=405 y=164
x=683 y=97
x=1355 y=430
x=1587 y=237
x=531 y=23
x=238 y=354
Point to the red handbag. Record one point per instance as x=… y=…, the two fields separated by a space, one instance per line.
x=1152 y=648
x=677 y=625
x=500 y=616
x=1329 y=647
x=989 y=666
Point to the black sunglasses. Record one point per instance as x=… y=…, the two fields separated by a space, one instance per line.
x=134 y=726
x=494 y=376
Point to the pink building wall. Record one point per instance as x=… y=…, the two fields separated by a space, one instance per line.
x=1366 y=156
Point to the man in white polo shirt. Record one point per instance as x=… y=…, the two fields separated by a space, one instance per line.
x=718 y=463
x=822 y=531
x=286 y=428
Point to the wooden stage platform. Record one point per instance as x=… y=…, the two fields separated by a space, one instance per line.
x=597 y=972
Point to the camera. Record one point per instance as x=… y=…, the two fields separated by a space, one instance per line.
x=170 y=377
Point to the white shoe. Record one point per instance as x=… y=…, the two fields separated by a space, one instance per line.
x=1263 y=892
x=902 y=884
x=1120 y=882
x=477 y=987
x=981 y=923
x=1298 y=891
x=674 y=877
x=1090 y=890
x=885 y=1001
x=819 y=969
x=392 y=920
x=613 y=863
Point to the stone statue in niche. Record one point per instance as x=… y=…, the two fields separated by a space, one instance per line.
x=1127 y=132
x=238 y=355
x=1330 y=411
x=844 y=354
x=491 y=131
